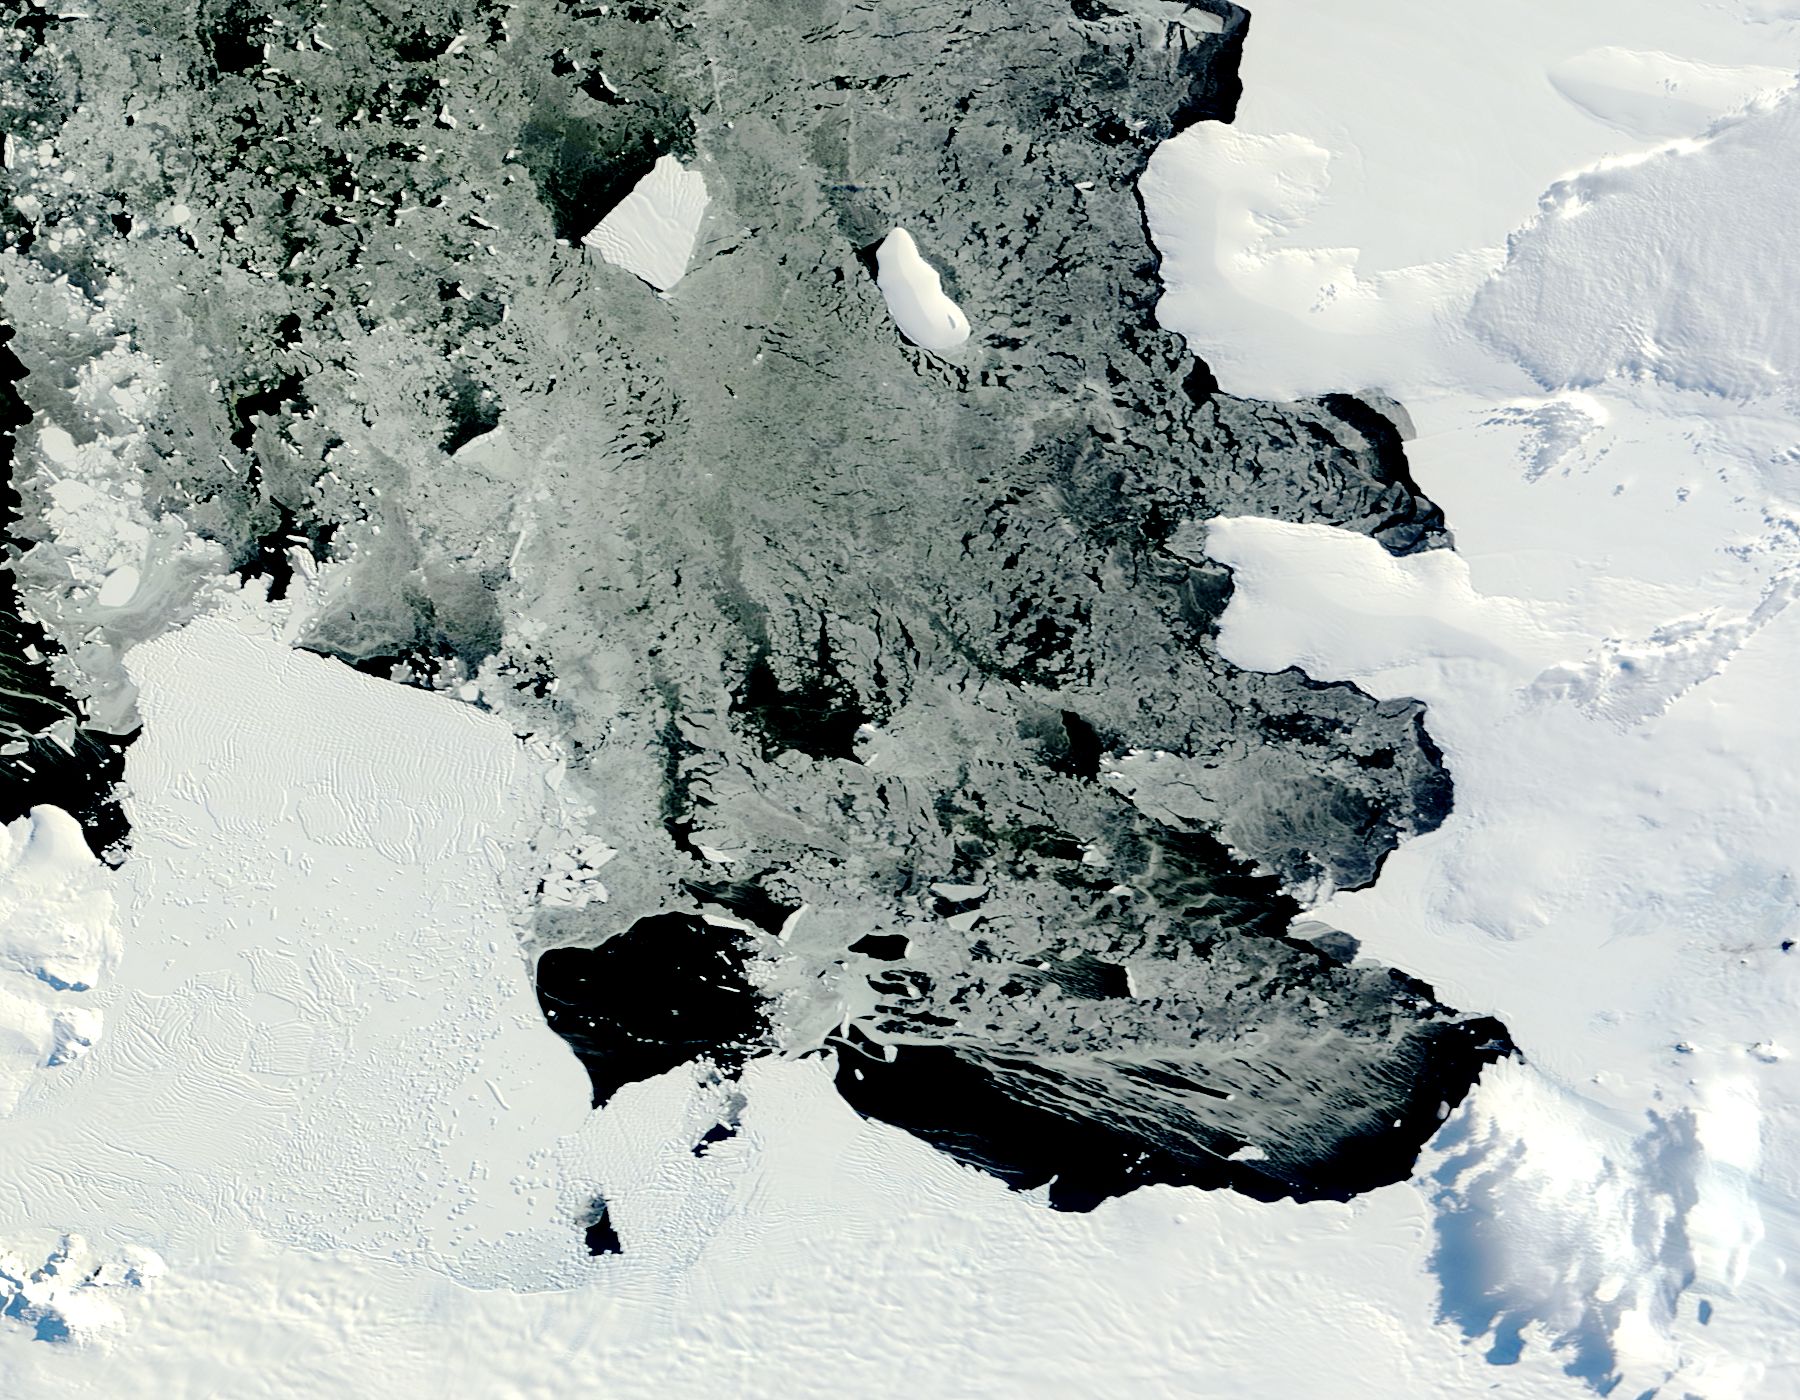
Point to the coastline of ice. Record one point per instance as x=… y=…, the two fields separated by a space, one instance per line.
x=1605 y=400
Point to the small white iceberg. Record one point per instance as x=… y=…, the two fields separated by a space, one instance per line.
x=651 y=232
x=120 y=586
x=915 y=297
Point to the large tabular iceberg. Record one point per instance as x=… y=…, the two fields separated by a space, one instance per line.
x=915 y=295
x=651 y=231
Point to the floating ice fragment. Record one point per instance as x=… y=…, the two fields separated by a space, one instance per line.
x=121 y=586
x=915 y=297
x=650 y=233
x=58 y=446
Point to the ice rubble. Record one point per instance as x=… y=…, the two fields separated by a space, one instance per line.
x=915 y=295
x=651 y=232
x=135 y=569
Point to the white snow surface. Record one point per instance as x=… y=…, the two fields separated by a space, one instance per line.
x=1568 y=262
x=651 y=232
x=915 y=295
x=1542 y=229
x=59 y=940
x=1616 y=883
x=310 y=1035
x=1332 y=237
x=1691 y=297
x=71 y=1293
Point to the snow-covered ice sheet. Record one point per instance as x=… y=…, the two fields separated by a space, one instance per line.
x=59 y=941
x=1334 y=234
x=363 y=1157
x=1580 y=311
x=311 y=1035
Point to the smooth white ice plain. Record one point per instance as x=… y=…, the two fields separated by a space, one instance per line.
x=915 y=295
x=651 y=232
x=322 y=1029
x=1333 y=235
x=59 y=941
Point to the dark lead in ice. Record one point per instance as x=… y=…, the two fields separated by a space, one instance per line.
x=669 y=989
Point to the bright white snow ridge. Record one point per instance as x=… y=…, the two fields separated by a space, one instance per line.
x=59 y=940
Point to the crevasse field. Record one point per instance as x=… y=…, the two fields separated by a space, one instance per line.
x=284 y=1117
